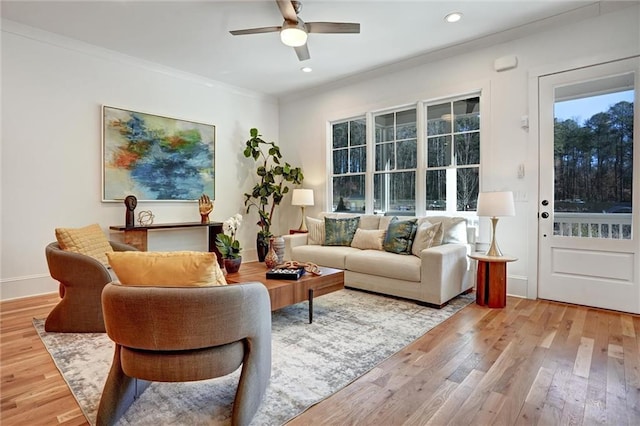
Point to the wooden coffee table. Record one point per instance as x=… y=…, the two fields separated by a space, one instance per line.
x=289 y=292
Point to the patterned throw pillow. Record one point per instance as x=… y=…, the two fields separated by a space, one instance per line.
x=368 y=239
x=427 y=235
x=340 y=232
x=167 y=269
x=400 y=236
x=90 y=241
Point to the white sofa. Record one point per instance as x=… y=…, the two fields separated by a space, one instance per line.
x=439 y=274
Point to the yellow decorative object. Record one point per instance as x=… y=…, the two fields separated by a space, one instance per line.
x=167 y=269
x=145 y=217
x=89 y=240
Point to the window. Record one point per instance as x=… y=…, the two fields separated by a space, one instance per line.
x=349 y=165
x=453 y=154
x=415 y=165
x=394 y=178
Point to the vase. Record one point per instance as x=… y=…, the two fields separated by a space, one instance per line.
x=278 y=245
x=262 y=246
x=232 y=265
x=271 y=259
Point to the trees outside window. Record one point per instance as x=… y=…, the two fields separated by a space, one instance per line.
x=453 y=154
x=349 y=152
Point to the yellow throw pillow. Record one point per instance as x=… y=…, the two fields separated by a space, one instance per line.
x=89 y=241
x=166 y=269
x=368 y=239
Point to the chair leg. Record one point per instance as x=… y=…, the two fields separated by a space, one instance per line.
x=254 y=378
x=119 y=392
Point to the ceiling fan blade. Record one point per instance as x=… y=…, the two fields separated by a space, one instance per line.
x=287 y=10
x=302 y=52
x=256 y=30
x=333 y=27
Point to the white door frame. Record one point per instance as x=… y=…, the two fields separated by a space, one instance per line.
x=533 y=156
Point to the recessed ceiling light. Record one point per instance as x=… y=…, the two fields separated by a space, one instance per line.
x=453 y=17
x=306 y=69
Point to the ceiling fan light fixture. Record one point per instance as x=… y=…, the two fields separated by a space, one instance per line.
x=293 y=35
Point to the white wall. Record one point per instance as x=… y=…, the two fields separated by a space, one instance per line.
x=304 y=118
x=52 y=92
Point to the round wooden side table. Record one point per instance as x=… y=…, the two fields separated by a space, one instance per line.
x=491 y=279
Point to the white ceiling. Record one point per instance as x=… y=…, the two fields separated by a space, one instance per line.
x=194 y=36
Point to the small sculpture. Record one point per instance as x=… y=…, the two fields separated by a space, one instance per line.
x=206 y=206
x=145 y=218
x=130 y=202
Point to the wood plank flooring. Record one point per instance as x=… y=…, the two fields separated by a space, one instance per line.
x=531 y=363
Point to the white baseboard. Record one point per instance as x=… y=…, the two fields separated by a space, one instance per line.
x=16 y=288
x=517 y=286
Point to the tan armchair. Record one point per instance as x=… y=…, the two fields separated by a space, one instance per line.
x=82 y=279
x=173 y=334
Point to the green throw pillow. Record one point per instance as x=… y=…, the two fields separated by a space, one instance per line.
x=400 y=235
x=340 y=232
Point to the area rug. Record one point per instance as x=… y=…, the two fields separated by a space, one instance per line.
x=352 y=332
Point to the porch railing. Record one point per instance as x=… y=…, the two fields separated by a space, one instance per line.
x=615 y=226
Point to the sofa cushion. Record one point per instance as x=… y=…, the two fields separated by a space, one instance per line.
x=167 y=269
x=340 y=232
x=315 y=235
x=330 y=256
x=371 y=239
x=427 y=235
x=369 y=221
x=400 y=236
x=89 y=240
x=384 y=264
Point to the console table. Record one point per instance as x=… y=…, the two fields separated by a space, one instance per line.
x=136 y=236
x=491 y=281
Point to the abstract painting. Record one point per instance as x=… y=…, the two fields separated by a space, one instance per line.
x=156 y=158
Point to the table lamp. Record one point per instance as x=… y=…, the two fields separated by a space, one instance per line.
x=302 y=198
x=494 y=204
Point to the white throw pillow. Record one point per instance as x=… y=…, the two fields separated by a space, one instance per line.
x=316 y=231
x=427 y=235
x=455 y=231
x=368 y=239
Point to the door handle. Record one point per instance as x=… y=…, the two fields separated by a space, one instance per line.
x=544 y=215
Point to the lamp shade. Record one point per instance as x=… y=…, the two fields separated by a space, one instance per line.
x=302 y=197
x=494 y=204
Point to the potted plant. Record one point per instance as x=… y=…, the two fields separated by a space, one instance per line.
x=228 y=245
x=272 y=186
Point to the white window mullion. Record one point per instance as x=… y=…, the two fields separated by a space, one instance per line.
x=370 y=149
x=421 y=160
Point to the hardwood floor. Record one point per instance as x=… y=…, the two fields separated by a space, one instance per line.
x=534 y=362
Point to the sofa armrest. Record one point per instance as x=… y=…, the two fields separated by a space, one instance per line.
x=444 y=272
x=291 y=241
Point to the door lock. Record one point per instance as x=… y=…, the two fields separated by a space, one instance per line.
x=545 y=202
x=544 y=215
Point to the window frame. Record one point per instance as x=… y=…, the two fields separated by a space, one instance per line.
x=470 y=89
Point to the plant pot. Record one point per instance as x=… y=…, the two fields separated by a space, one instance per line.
x=262 y=247
x=232 y=265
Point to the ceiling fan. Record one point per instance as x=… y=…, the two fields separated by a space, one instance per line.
x=294 y=30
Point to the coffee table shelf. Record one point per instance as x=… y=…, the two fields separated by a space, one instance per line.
x=289 y=292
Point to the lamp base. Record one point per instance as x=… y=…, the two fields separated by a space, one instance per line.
x=494 y=250
x=303 y=224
